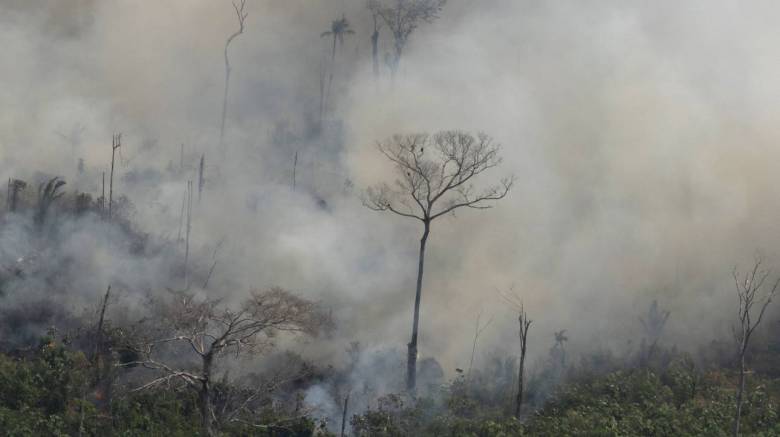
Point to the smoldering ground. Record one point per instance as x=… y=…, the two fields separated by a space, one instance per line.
x=642 y=136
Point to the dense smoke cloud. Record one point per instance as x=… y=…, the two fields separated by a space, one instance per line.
x=642 y=137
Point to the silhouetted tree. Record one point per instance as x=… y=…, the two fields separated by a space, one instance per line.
x=432 y=184
x=48 y=192
x=116 y=143
x=338 y=30
x=750 y=292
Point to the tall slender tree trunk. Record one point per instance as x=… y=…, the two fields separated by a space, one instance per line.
x=295 y=167
x=411 y=359
x=224 y=104
x=322 y=94
x=344 y=416
x=740 y=392
x=330 y=75
x=103 y=198
x=525 y=323
x=111 y=183
x=396 y=62
x=102 y=381
x=201 y=178
x=375 y=50
x=187 y=235
x=204 y=396
x=520 y=384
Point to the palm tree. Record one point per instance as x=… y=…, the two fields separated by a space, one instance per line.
x=338 y=29
x=47 y=194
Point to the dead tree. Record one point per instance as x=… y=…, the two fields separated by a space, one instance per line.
x=208 y=331
x=241 y=15
x=115 y=144
x=750 y=292
x=402 y=17
x=99 y=332
x=433 y=184
x=525 y=323
x=516 y=303
x=101 y=381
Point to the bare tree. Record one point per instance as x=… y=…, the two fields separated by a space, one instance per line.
x=209 y=330
x=402 y=17
x=525 y=323
x=116 y=143
x=241 y=15
x=433 y=184
x=516 y=303
x=750 y=292
x=478 y=329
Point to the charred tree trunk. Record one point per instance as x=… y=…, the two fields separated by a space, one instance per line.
x=295 y=168
x=103 y=382
x=241 y=15
x=344 y=416
x=99 y=334
x=520 y=385
x=224 y=105
x=411 y=359
x=375 y=48
x=103 y=197
x=115 y=144
x=187 y=234
x=201 y=179
x=204 y=395
x=330 y=77
x=525 y=323
x=740 y=392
